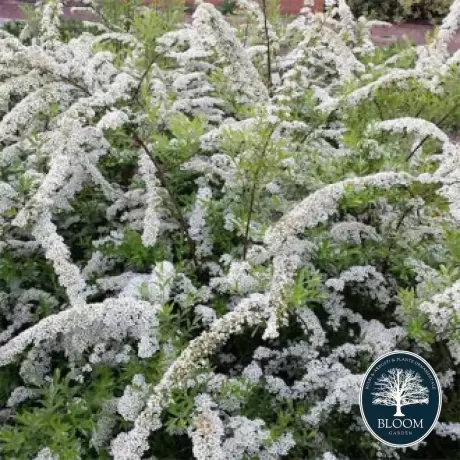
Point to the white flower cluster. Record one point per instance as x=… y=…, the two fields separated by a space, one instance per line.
x=443 y=312
x=248 y=437
x=413 y=125
x=207 y=431
x=132 y=401
x=217 y=34
x=321 y=205
x=197 y=221
x=46 y=454
x=78 y=328
x=19 y=395
x=217 y=213
x=448 y=430
x=353 y=232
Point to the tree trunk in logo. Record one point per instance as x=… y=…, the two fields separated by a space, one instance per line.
x=398 y=409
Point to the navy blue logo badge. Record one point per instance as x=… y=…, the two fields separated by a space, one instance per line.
x=400 y=399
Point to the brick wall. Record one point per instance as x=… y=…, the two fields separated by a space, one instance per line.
x=286 y=6
x=10 y=9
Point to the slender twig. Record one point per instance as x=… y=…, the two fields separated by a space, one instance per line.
x=402 y=217
x=416 y=148
x=253 y=195
x=246 y=34
x=248 y=222
x=104 y=19
x=419 y=111
x=70 y=81
x=420 y=144
x=391 y=246
x=75 y=84
x=176 y=207
x=379 y=108
x=267 y=38
x=144 y=74
x=307 y=135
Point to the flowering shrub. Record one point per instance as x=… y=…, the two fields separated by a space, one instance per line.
x=209 y=232
x=408 y=10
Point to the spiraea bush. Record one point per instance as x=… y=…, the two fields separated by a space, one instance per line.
x=402 y=10
x=210 y=230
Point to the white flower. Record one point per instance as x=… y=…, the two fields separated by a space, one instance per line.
x=253 y=372
x=133 y=399
x=318 y=207
x=152 y=219
x=113 y=120
x=21 y=394
x=216 y=33
x=46 y=454
x=329 y=456
x=395 y=76
x=197 y=222
x=80 y=327
x=417 y=126
x=448 y=430
x=250 y=311
x=207 y=430
x=208 y=315
x=354 y=232
x=248 y=437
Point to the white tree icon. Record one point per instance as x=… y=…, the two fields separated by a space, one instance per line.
x=399 y=387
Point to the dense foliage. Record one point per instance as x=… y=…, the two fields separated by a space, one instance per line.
x=209 y=231
x=402 y=10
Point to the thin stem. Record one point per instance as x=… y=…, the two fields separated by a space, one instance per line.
x=104 y=19
x=144 y=74
x=415 y=149
x=246 y=34
x=379 y=108
x=419 y=111
x=68 y=80
x=308 y=134
x=267 y=38
x=253 y=195
x=76 y=85
x=391 y=246
x=248 y=222
x=176 y=207
x=402 y=217
x=420 y=144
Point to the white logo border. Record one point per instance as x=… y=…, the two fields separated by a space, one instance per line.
x=361 y=391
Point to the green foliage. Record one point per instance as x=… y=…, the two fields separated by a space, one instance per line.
x=401 y=10
x=227 y=7
x=60 y=420
x=264 y=186
x=14 y=27
x=134 y=254
x=180 y=411
x=417 y=322
x=306 y=289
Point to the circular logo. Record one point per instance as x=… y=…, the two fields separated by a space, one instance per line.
x=400 y=399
